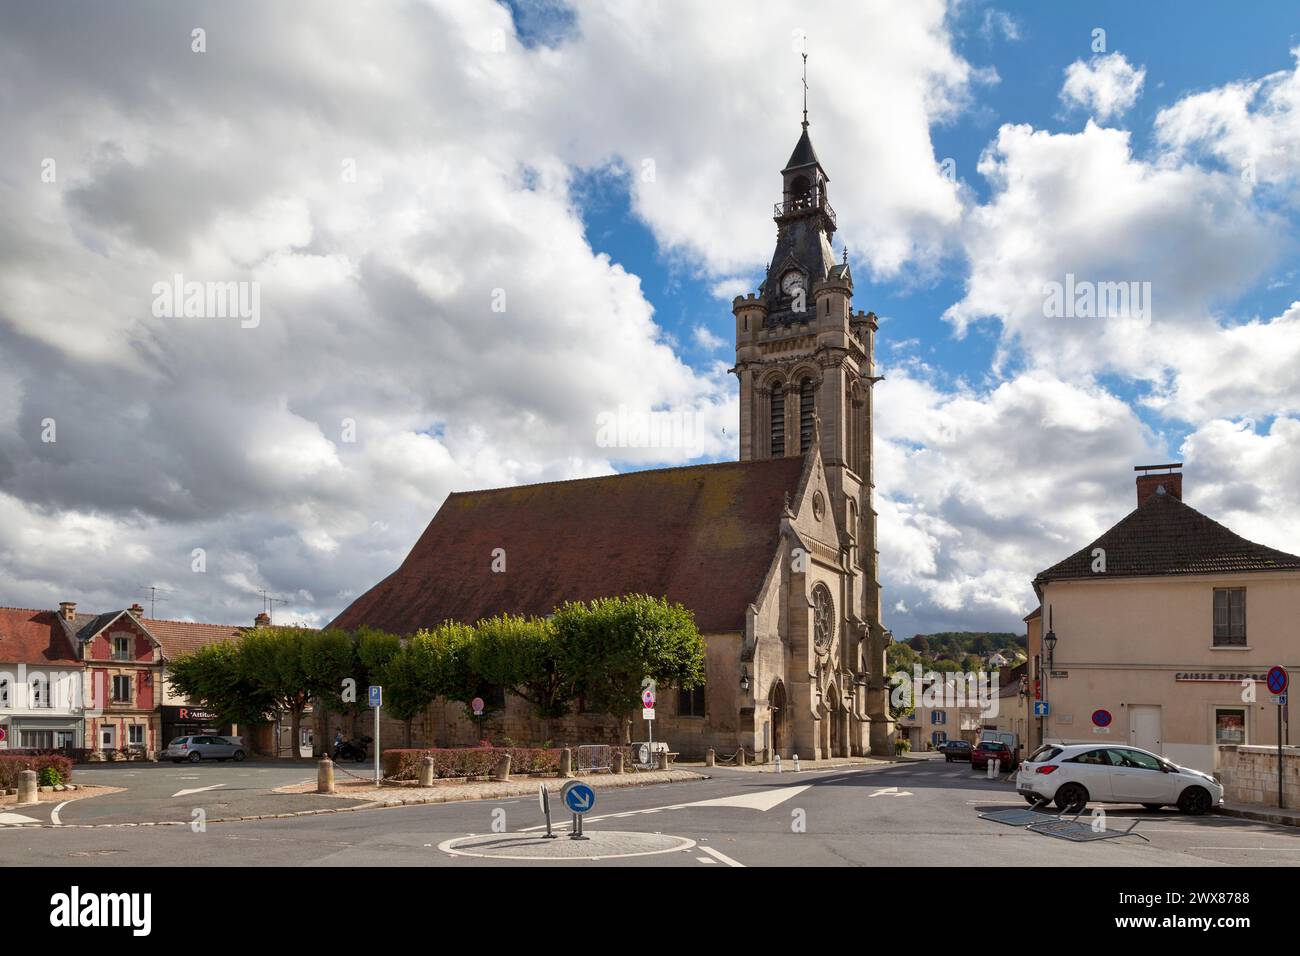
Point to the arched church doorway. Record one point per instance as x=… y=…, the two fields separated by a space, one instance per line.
x=780 y=717
x=834 y=715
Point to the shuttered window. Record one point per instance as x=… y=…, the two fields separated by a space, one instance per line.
x=778 y=422
x=806 y=406
x=1229 y=616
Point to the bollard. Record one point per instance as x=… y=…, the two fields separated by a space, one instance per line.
x=426 y=771
x=796 y=763
x=777 y=761
x=325 y=775
x=566 y=762
x=618 y=761
x=740 y=757
x=661 y=760
x=710 y=757
x=503 y=768
x=27 y=792
x=991 y=768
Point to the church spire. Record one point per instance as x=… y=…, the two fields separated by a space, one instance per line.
x=805 y=84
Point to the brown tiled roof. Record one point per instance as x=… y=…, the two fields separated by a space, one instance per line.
x=1165 y=536
x=184 y=637
x=703 y=535
x=33 y=637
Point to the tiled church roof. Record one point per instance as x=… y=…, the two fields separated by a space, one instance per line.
x=1165 y=536
x=703 y=535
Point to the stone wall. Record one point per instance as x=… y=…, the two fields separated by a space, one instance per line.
x=446 y=723
x=1249 y=774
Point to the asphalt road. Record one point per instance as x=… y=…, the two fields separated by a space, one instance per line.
x=916 y=813
x=171 y=792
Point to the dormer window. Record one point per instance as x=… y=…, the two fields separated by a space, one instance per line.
x=122 y=647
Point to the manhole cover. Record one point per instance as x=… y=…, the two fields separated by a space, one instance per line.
x=601 y=845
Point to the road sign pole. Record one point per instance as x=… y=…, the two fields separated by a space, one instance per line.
x=1280 y=804
x=376 y=746
x=545 y=796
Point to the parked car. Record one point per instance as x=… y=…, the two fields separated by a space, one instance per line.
x=1074 y=775
x=956 y=750
x=196 y=748
x=986 y=751
x=1008 y=737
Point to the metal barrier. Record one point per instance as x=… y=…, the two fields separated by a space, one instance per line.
x=593 y=757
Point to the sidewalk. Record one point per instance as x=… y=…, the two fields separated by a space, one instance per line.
x=788 y=765
x=452 y=791
x=1258 y=811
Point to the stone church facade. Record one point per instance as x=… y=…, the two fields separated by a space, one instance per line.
x=775 y=554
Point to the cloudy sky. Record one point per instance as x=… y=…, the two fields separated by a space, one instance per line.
x=475 y=227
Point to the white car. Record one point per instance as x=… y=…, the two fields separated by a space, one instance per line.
x=1073 y=775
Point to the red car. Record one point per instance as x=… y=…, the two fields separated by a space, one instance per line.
x=986 y=751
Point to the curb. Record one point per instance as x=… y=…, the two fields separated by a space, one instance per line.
x=372 y=805
x=1274 y=817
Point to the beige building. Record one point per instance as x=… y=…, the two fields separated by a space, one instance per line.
x=1164 y=629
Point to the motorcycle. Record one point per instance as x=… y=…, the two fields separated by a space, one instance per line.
x=354 y=749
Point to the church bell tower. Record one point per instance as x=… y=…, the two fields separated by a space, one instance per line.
x=805 y=361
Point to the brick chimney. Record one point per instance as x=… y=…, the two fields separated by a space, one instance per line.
x=1151 y=478
x=136 y=610
x=262 y=620
x=67 y=610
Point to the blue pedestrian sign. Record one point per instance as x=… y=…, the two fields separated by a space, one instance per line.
x=1042 y=708
x=376 y=695
x=578 y=797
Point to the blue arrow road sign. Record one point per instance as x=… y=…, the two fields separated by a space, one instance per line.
x=579 y=797
x=1042 y=708
x=376 y=695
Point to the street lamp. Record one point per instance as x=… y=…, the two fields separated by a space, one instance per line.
x=744 y=679
x=1050 y=641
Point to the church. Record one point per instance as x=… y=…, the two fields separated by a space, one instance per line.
x=775 y=554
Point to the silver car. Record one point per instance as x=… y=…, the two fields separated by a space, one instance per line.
x=196 y=748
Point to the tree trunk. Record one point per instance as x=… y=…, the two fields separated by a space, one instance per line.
x=295 y=727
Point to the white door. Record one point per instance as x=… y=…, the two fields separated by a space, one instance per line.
x=1144 y=727
x=107 y=737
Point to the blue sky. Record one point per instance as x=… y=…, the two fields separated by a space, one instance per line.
x=496 y=153
x=1185 y=48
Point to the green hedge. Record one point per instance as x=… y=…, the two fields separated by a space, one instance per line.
x=468 y=761
x=11 y=767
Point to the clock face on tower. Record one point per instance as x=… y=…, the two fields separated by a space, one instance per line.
x=792 y=282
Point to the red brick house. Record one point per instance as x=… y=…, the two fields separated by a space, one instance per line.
x=123 y=661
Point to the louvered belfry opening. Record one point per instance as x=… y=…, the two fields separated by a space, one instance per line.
x=806 y=406
x=778 y=421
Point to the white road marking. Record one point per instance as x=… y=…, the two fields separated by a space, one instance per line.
x=721 y=857
x=891 y=792
x=705 y=859
x=182 y=793
x=54 y=814
x=762 y=800
x=11 y=819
